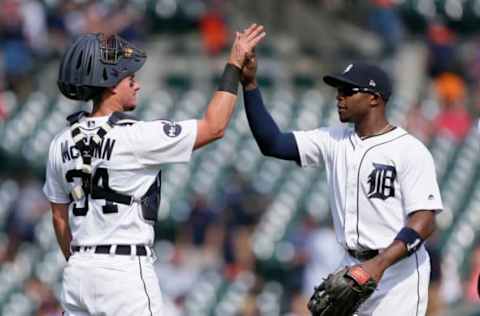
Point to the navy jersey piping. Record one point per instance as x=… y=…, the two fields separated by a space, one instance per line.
x=123 y=122
x=145 y=287
x=351 y=142
x=358 y=180
x=376 y=135
x=418 y=283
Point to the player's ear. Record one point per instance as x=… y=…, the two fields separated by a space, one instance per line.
x=112 y=90
x=375 y=100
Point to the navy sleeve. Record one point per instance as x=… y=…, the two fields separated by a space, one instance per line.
x=271 y=141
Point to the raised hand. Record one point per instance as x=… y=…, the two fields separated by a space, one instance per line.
x=244 y=43
x=249 y=72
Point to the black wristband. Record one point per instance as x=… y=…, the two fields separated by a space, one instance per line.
x=230 y=79
x=410 y=238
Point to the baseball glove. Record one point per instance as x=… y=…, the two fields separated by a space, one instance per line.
x=341 y=293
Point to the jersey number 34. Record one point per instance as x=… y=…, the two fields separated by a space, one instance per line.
x=97 y=191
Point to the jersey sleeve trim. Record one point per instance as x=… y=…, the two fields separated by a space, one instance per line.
x=57 y=200
x=193 y=139
x=437 y=207
x=301 y=144
x=53 y=188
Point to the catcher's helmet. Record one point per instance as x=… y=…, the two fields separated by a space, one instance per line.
x=95 y=61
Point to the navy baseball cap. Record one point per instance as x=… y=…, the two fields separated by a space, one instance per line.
x=363 y=76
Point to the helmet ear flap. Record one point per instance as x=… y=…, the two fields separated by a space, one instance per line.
x=91 y=92
x=79 y=93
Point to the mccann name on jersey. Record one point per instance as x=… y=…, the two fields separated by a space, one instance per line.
x=102 y=151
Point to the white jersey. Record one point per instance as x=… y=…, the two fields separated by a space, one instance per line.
x=373 y=184
x=128 y=162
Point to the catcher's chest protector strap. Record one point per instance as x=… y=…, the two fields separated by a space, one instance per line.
x=150 y=201
x=86 y=151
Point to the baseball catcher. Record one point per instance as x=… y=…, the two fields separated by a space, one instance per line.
x=103 y=175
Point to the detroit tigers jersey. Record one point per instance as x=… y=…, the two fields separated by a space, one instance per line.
x=373 y=184
x=127 y=161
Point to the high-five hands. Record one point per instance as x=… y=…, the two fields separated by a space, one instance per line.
x=244 y=44
x=248 y=77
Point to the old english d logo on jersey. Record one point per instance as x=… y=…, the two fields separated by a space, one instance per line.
x=381 y=180
x=172 y=129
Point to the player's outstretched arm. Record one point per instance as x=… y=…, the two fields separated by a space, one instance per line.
x=215 y=120
x=271 y=141
x=62 y=230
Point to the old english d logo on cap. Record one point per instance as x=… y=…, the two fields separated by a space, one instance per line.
x=349 y=67
x=365 y=77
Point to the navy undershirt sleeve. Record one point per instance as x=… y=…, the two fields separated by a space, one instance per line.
x=271 y=141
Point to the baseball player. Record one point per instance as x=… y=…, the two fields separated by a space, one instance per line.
x=382 y=188
x=103 y=173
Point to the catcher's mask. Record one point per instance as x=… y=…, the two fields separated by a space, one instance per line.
x=95 y=61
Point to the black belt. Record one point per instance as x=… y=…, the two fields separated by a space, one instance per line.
x=363 y=254
x=120 y=250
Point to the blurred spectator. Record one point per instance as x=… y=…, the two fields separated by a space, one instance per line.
x=214 y=32
x=323 y=254
x=238 y=252
x=113 y=19
x=17 y=53
x=93 y=16
x=201 y=216
x=35 y=27
x=207 y=232
x=453 y=120
x=176 y=269
x=471 y=294
x=170 y=308
x=44 y=298
x=241 y=207
x=386 y=22
x=442 y=44
x=57 y=29
x=451 y=88
x=473 y=69
x=181 y=263
x=474 y=60
x=436 y=305
x=418 y=123
x=298 y=305
x=24 y=214
x=3 y=107
x=317 y=250
x=244 y=204
x=212 y=249
x=250 y=306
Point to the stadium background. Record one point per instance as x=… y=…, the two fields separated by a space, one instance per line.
x=241 y=234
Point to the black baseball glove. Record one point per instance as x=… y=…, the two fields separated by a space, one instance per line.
x=341 y=293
